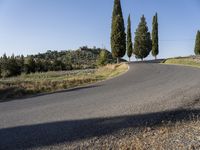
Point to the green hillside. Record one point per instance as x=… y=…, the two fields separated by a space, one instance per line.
x=83 y=58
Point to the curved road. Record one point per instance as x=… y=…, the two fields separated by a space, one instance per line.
x=143 y=93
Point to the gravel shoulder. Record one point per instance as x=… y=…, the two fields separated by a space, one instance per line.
x=178 y=129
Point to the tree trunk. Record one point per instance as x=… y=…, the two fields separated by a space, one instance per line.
x=129 y=59
x=155 y=57
x=118 y=60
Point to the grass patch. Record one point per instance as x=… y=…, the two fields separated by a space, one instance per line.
x=25 y=85
x=186 y=61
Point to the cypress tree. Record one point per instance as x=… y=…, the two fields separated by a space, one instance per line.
x=143 y=43
x=197 y=44
x=155 y=44
x=129 y=39
x=118 y=35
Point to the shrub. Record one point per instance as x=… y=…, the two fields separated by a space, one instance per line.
x=102 y=59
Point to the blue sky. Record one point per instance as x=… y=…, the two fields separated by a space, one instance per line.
x=33 y=26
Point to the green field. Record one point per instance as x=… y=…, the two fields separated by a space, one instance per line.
x=30 y=84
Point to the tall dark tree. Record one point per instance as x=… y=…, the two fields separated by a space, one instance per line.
x=129 y=39
x=155 y=38
x=143 y=43
x=118 y=35
x=197 y=44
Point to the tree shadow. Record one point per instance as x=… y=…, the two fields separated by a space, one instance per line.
x=28 y=96
x=46 y=134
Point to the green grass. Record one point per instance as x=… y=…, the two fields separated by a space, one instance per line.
x=26 y=85
x=186 y=61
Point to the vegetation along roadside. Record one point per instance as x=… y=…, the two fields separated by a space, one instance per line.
x=192 y=61
x=35 y=83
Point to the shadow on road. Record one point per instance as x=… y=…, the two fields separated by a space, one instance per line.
x=33 y=136
x=3 y=93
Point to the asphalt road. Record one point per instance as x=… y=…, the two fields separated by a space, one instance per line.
x=143 y=94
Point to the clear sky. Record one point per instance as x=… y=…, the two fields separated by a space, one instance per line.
x=33 y=26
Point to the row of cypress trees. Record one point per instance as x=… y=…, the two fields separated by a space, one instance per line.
x=122 y=42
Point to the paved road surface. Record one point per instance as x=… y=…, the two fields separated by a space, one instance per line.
x=141 y=95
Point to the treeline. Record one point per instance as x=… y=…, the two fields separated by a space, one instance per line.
x=144 y=42
x=83 y=58
x=16 y=65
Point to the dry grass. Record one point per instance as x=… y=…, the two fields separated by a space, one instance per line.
x=192 y=61
x=111 y=71
x=20 y=86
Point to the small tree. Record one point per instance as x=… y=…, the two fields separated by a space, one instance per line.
x=197 y=44
x=30 y=65
x=118 y=35
x=102 y=59
x=155 y=44
x=0 y=66
x=4 y=66
x=39 y=66
x=129 y=39
x=143 y=43
x=21 y=63
x=14 y=66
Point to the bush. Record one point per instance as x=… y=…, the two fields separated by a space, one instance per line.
x=102 y=59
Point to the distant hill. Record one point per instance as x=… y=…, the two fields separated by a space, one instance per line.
x=83 y=58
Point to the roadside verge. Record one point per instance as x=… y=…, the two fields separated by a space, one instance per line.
x=192 y=61
x=51 y=82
